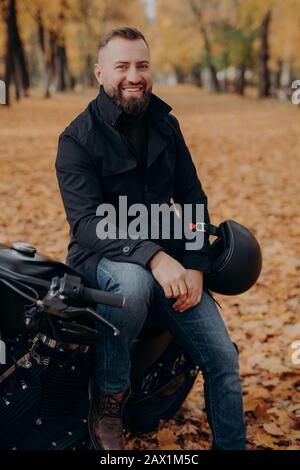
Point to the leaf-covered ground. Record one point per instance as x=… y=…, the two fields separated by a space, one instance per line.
x=247 y=156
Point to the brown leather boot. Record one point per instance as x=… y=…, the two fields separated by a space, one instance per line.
x=106 y=418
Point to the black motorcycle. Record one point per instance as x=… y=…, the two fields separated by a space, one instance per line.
x=47 y=347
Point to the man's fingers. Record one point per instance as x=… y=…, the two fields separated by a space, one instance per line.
x=188 y=303
x=183 y=288
x=179 y=288
x=183 y=302
x=175 y=290
x=184 y=307
x=194 y=293
x=180 y=301
x=168 y=291
x=183 y=298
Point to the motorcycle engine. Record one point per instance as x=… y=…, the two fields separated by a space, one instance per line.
x=44 y=394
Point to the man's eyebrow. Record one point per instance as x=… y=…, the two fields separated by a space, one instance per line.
x=139 y=62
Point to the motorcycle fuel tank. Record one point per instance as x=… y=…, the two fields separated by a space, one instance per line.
x=23 y=259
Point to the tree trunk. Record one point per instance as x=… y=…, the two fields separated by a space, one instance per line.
x=207 y=47
x=63 y=75
x=18 y=49
x=43 y=52
x=89 y=75
x=213 y=72
x=180 y=75
x=46 y=55
x=41 y=32
x=264 y=72
x=9 y=70
x=196 y=75
x=240 y=81
x=17 y=80
x=51 y=62
x=278 y=74
x=15 y=60
x=9 y=64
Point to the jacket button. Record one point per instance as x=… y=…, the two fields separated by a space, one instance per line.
x=126 y=249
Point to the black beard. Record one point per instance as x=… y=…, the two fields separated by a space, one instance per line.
x=132 y=106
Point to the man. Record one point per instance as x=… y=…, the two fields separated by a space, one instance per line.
x=126 y=143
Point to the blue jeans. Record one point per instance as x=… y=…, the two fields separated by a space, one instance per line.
x=200 y=331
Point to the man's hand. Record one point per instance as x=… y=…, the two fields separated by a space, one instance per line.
x=170 y=274
x=185 y=285
x=194 y=283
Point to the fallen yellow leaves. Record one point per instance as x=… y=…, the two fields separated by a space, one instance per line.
x=247 y=157
x=273 y=429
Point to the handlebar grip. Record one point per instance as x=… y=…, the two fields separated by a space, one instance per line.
x=102 y=297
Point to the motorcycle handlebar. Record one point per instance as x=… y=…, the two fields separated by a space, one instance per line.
x=84 y=293
x=101 y=297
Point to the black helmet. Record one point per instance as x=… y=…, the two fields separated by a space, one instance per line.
x=236 y=259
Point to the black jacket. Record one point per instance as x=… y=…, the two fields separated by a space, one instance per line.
x=94 y=165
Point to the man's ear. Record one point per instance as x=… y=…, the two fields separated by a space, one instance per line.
x=98 y=73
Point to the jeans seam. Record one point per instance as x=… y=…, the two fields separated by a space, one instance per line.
x=105 y=352
x=212 y=402
x=111 y=278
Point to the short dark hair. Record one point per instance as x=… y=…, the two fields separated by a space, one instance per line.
x=125 y=32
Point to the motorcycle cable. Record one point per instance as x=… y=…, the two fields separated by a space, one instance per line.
x=21 y=293
x=13 y=276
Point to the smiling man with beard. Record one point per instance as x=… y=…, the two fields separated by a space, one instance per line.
x=126 y=143
x=128 y=84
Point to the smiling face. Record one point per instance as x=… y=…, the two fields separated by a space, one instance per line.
x=125 y=73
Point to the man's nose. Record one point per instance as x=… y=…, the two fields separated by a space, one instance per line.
x=133 y=75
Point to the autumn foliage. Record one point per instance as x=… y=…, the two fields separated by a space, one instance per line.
x=222 y=45
x=247 y=156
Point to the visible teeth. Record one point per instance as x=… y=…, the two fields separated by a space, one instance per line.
x=132 y=89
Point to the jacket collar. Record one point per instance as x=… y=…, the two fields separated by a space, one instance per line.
x=157 y=108
x=123 y=160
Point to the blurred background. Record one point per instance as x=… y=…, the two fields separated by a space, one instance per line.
x=223 y=45
x=227 y=69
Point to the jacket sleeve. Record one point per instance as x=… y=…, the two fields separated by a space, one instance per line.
x=81 y=194
x=188 y=190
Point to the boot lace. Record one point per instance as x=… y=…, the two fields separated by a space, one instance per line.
x=111 y=406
